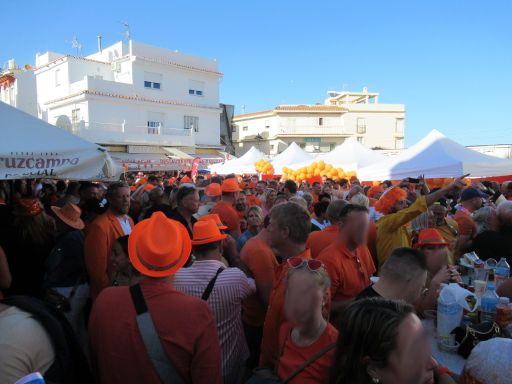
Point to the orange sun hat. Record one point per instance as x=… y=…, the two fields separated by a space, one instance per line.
x=230 y=185
x=430 y=236
x=69 y=214
x=213 y=189
x=205 y=232
x=214 y=217
x=158 y=246
x=186 y=180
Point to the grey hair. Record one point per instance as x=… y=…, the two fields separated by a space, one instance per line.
x=481 y=218
x=504 y=208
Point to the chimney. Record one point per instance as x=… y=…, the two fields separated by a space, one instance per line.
x=99 y=44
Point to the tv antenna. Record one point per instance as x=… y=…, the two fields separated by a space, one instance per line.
x=127 y=33
x=75 y=44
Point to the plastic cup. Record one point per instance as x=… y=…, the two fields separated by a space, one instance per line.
x=480 y=287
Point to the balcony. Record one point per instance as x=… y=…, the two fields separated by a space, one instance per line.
x=311 y=130
x=126 y=134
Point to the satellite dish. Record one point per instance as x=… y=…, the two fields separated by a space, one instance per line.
x=64 y=123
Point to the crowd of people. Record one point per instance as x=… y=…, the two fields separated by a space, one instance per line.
x=158 y=279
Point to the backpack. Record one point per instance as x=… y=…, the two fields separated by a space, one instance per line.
x=70 y=365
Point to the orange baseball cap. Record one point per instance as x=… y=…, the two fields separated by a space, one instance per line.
x=230 y=185
x=205 y=232
x=430 y=236
x=213 y=189
x=186 y=180
x=158 y=246
x=214 y=217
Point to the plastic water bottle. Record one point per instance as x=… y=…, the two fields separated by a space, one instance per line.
x=502 y=272
x=489 y=302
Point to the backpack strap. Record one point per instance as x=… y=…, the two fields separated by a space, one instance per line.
x=310 y=361
x=159 y=358
x=209 y=288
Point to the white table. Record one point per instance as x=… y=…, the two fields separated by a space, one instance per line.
x=451 y=360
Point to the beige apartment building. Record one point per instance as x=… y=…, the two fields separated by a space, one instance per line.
x=321 y=127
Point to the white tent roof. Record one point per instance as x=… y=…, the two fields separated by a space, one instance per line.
x=33 y=148
x=244 y=164
x=437 y=156
x=291 y=155
x=350 y=155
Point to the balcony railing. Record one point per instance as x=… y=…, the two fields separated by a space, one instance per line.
x=312 y=130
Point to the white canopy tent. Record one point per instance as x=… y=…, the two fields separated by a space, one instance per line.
x=33 y=148
x=437 y=156
x=350 y=155
x=291 y=155
x=244 y=164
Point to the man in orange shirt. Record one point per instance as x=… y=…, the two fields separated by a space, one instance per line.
x=470 y=201
x=225 y=207
x=319 y=240
x=348 y=260
x=101 y=235
x=288 y=230
x=261 y=262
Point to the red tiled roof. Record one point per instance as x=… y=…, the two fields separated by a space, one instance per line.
x=294 y=108
x=133 y=97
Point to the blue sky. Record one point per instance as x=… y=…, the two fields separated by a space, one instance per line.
x=448 y=61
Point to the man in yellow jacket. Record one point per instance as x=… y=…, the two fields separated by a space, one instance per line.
x=392 y=229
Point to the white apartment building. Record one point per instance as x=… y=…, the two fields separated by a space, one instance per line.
x=321 y=127
x=133 y=98
x=18 y=87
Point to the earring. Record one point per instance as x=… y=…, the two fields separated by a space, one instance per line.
x=375 y=380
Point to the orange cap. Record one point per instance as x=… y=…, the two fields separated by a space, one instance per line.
x=186 y=180
x=213 y=189
x=430 y=236
x=205 y=232
x=158 y=246
x=149 y=187
x=215 y=217
x=230 y=185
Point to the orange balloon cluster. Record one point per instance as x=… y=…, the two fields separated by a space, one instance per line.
x=263 y=166
x=315 y=169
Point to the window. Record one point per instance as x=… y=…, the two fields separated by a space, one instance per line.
x=360 y=139
x=361 y=125
x=245 y=128
x=267 y=124
x=320 y=121
x=155 y=123
x=195 y=88
x=399 y=126
x=332 y=146
x=302 y=145
x=192 y=122
x=233 y=128
x=271 y=147
x=75 y=116
x=152 y=80
x=57 y=77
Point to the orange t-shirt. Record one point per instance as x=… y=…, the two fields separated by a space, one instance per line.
x=349 y=271
x=294 y=356
x=467 y=226
x=228 y=215
x=319 y=240
x=260 y=260
x=275 y=315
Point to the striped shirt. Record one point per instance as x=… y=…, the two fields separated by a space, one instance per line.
x=232 y=286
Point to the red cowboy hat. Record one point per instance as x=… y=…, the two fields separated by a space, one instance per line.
x=158 y=246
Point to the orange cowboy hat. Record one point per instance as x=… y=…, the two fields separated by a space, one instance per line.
x=430 y=236
x=216 y=218
x=69 y=214
x=230 y=185
x=186 y=180
x=158 y=246
x=213 y=189
x=28 y=207
x=205 y=232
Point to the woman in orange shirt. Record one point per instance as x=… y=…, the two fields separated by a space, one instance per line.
x=307 y=340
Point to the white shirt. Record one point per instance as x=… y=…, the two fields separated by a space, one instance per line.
x=125 y=224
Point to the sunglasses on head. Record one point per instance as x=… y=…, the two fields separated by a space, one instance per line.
x=312 y=264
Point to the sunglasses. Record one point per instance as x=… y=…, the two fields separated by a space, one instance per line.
x=311 y=264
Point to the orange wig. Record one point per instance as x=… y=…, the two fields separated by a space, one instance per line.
x=389 y=199
x=374 y=190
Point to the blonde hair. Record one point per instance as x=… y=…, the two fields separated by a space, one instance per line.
x=360 y=199
x=320 y=275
